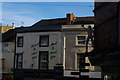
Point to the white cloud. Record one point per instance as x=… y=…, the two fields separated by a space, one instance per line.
x=13 y=17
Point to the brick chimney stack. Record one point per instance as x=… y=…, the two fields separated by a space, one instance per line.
x=70 y=18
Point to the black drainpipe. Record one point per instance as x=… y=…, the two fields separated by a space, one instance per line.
x=14 y=54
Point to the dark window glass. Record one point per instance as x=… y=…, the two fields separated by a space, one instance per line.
x=44 y=41
x=19 y=60
x=5 y=47
x=81 y=40
x=80 y=59
x=20 y=41
x=43 y=60
x=3 y=63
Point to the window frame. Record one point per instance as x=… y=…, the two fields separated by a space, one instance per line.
x=78 y=60
x=80 y=40
x=5 y=47
x=39 y=61
x=17 y=65
x=18 y=41
x=3 y=63
x=40 y=39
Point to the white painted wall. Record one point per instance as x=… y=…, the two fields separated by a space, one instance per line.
x=32 y=39
x=9 y=57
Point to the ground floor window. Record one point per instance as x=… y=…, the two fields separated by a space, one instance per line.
x=3 y=63
x=43 y=60
x=80 y=59
x=19 y=60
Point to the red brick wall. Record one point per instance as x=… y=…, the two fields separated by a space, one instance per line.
x=105 y=25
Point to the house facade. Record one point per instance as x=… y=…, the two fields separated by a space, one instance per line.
x=7 y=62
x=7 y=53
x=53 y=41
x=59 y=47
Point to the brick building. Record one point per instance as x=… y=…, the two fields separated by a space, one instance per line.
x=107 y=39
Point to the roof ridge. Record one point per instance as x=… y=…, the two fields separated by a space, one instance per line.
x=53 y=19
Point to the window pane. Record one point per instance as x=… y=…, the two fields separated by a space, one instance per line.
x=81 y=37
x=20 y=41
x=81 y=40
x=3 y=63
x=78 y=58
x=44 y=40
x=19 y=60
x=43 y=59
x=5 y=47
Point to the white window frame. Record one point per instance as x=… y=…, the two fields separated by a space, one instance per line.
x=80 y=40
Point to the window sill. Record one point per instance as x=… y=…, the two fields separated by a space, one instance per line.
x=82 y=45
x=43 y=46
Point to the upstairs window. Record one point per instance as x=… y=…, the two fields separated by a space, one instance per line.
x=80 y=40
x=20 y=41
x=44 y=41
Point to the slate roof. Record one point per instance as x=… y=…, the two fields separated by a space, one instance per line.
x=55 y=24
x=8 y=36
x=62 y=21
x=49 y=22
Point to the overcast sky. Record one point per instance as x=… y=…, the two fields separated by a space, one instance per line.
x=32 y=12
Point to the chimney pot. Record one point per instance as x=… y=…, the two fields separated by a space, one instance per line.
x=13 y=24
x=70 y=18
